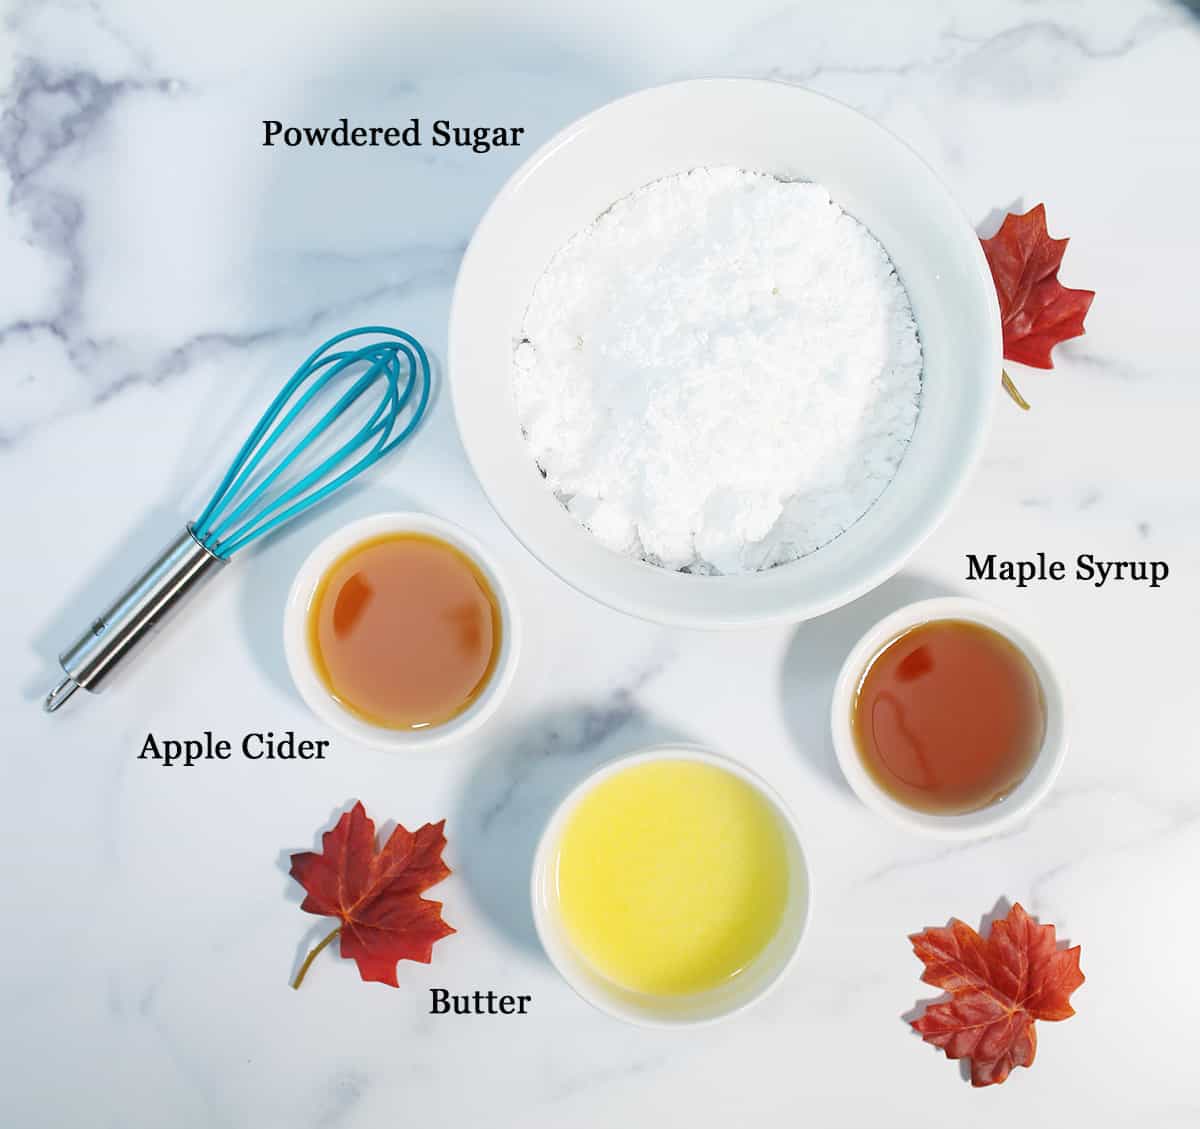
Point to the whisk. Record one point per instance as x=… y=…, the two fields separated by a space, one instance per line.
x=268 y=484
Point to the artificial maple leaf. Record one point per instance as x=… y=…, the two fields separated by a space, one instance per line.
x=375 y=895
x=1036 y=310
x=997 y=987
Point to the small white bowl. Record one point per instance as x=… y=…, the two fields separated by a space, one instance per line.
x=670 y=1011
x=970 y=825
x=300 y=661
x=795 y=134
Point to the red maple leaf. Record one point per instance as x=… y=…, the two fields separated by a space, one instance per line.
x=375 y=895
x=1036 y=310
x=997 y=987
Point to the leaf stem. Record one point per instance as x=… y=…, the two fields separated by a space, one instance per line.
x=1011 y=389
x=313 y=956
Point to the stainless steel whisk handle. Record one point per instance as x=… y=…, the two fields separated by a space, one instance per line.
x=177 y=571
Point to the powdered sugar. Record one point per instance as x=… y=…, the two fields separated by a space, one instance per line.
x=721 y=373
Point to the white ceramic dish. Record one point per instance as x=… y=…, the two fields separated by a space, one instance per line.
x=769 y=127
x=995 y=817
x=299 y=658
x=670 y=1011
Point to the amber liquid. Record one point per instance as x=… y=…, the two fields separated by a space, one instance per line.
x=949 y=717
x=404 y=631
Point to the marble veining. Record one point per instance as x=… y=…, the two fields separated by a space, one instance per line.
x=161 y=272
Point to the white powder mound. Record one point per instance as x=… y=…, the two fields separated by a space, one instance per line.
x=720 y=374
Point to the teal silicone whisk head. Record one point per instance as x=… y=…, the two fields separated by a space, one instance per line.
x=359 y=396
x=262 y=489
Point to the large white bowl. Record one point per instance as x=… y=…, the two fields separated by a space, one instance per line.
x=769 y=127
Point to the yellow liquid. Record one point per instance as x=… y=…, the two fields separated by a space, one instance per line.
x=672 y=876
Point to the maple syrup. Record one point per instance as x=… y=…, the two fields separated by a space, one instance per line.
x=948 y=717
x=404 y=630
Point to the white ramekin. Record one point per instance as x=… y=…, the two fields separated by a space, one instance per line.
x=670 y=1011
x=995 y=817
x=300 y=660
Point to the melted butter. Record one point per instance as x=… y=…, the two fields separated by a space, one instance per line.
x=672 y=876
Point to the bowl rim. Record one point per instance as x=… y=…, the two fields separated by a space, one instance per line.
x=890 y=559
x=1037 y=782
x=299 y=659
x=555 y=949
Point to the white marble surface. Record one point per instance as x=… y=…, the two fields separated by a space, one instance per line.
x=160 y=271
